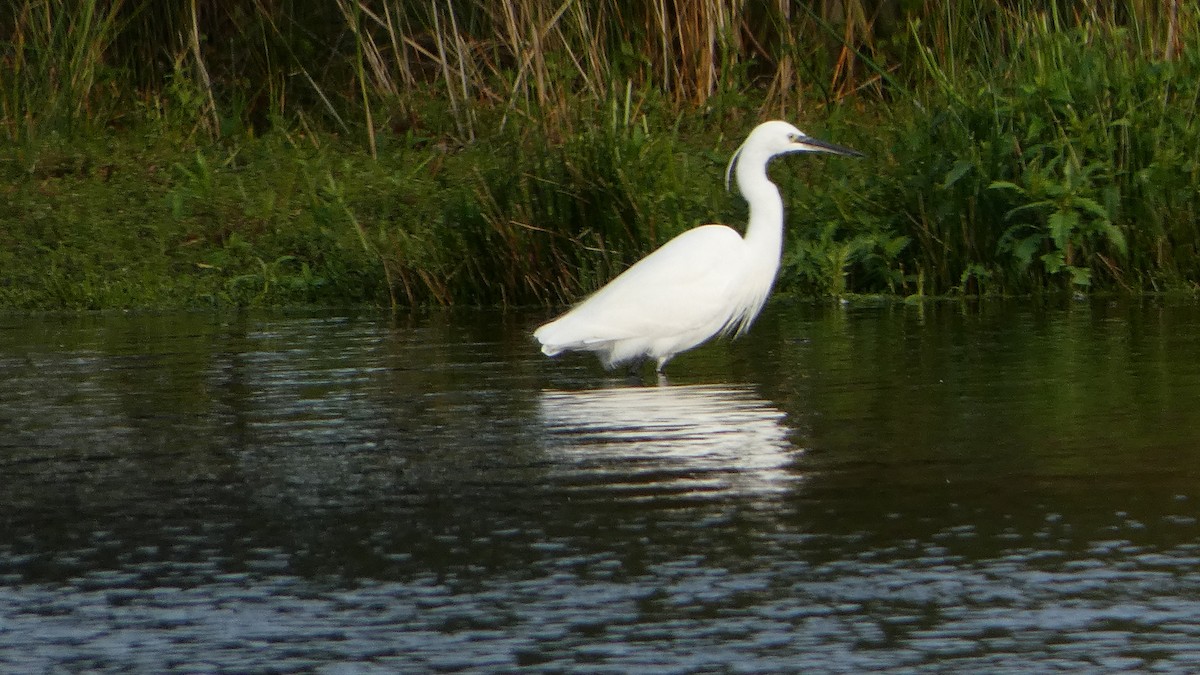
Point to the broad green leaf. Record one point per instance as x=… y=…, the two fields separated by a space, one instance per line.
x=1027 y=207
x=1061 y=224
x=960 y=169
x=1005 y=185
x=1053 y=262
x=1025 y=249
x=894 y=246
x=1116 y=237
x=1091 y=206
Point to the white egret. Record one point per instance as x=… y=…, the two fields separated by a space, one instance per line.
x=708 y=280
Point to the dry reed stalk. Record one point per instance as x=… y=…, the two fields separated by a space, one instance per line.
x=365 y=50
x=393 y=31
x=1172 y=29
x=785 y=79
x=381 y=74
x=595 y=69
x=527 y=36
x=462 y=56
x=202 y=72
x=443 y=59
x=566 y=38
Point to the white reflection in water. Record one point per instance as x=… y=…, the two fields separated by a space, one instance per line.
x=643 y=441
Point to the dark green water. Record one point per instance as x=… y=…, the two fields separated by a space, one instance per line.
x=937 y=487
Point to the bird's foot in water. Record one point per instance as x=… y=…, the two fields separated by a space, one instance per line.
x=633 y=371
x=634 y=376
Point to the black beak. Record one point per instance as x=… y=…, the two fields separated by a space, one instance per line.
x=817 y=145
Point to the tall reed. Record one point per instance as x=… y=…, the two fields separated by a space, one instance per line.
x=52 y=70
x=525 y=150
x=1052 y=162
x=381 y=62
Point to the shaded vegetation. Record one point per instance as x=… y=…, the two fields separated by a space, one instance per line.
x=524 y=151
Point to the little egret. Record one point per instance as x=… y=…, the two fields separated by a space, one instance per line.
x=709 y=280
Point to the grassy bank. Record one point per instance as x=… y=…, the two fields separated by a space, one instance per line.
x=293 y=218
x=518 y=151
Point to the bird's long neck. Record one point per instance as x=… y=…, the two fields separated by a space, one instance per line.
x=764 y=239
x=764 y=232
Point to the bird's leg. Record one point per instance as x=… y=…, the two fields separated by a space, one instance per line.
x=633 y=372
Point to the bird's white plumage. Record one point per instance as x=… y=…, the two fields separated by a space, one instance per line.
x=707 y=281
x=638 y=314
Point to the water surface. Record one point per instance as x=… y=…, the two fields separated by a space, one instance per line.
x=869 y=487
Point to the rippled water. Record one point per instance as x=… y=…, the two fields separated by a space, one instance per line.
x=872 y=487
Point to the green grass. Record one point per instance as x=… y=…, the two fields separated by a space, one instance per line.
x=1061 y=166
x=149 y=222
x=385 y=154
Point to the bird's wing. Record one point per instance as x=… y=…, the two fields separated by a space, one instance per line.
x=685 y=284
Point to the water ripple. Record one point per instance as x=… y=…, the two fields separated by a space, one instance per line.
x=688 y=440
x=906 y=489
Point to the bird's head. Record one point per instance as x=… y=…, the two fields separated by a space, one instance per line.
x=777 y=137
